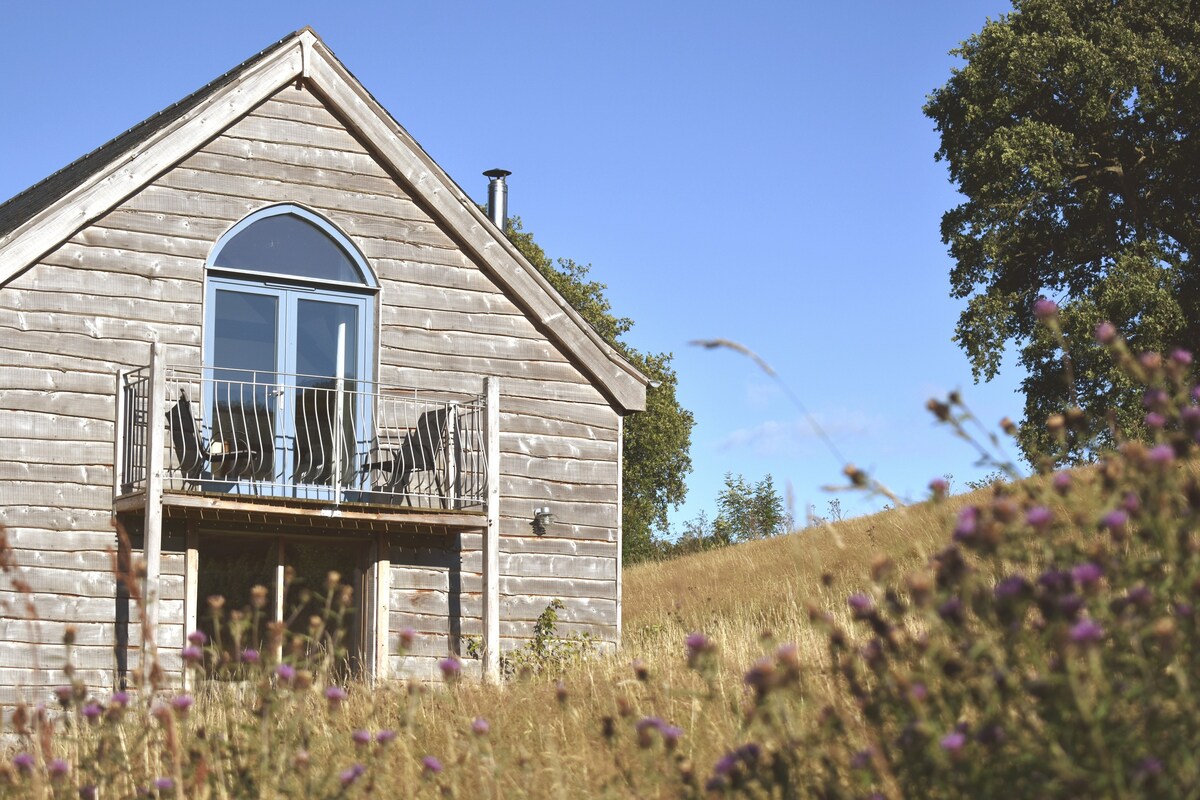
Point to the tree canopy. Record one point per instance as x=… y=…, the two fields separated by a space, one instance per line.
x=1073 y=133
x=657 y=441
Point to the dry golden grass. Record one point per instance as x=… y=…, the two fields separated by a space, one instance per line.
x=548 y=739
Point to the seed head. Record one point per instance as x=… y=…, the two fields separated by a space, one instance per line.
x=451 y=668
x=431 y=765
x=1106 y=333
x=1044 y=308
x=480 y=727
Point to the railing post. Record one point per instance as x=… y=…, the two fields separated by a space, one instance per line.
x=491 y=536
x=119 y=439
x=339 y=414
x=452 y=455
x=152 y=542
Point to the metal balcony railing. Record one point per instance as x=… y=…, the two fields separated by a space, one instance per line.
x=305 y=437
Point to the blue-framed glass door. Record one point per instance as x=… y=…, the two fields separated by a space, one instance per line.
x=271 y=391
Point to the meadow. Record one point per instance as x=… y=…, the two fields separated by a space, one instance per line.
x=1032 y=638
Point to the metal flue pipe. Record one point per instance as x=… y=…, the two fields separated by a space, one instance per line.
x=497 y=197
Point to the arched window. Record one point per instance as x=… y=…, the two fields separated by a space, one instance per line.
x=288 y=330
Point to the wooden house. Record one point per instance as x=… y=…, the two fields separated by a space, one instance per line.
x=265 y=331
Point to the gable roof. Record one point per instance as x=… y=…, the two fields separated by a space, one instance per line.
x=45 y=215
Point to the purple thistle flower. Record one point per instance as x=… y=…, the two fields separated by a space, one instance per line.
x=406 y=638
x=1155 y=400
x=1070 y=605
x=335 y=695
x=939 y=487
x=92 y=711
x=671 y=735
x=1184 y=609
x=182 y=703
x=951 y=610
x=250 y=656
x=1115 y=521
x=1086 y=574
x=1039 y=517
x=968 y=523
x=192 y=654
x=1191 y=417
x=1086 y=632
x=350 y=775
x=1062 y=482
x=361 y=737
x=860 y=604
x=697 y=642
x=1054 y=580
x=1106 y=333
x=918 y=692
x=1140 y=596
x=385 y=736
x=1155 y=421
x=1131 y=504
x=1010 y=587
x=87 y=792
x=1044 y=308
x=23 y=762
x=64 y=693
x=164 y=784
x=197 y=638
x=1161 y=455
x=58 y=768
x=480 y=727
x=286 y=673
x=431 y=764
x=647 y=723
x=450 y=667
x=726 y=764
x=1181 y=356
x=953 y=742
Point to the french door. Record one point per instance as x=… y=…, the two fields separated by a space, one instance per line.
x=287 y=409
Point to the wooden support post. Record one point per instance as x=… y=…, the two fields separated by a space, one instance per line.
x=620 y=518
x=452 y=456
x=122 y=414
x=382 y=604
x=491 y=536
x=152 y=541
x=191 y=591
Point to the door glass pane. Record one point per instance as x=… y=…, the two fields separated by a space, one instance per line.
x=245 y=347
x=325 y=437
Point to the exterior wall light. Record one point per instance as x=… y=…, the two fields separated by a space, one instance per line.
x=542 y=518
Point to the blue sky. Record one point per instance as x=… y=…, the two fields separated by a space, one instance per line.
x=758 y=171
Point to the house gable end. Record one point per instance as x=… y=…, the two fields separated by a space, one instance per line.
x=45 y=216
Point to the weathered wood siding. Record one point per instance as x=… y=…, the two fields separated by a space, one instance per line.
x=137 y=275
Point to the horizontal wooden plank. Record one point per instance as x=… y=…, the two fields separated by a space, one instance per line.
x=362 y=214
x=243 y=165
x=96 y=475
x=304 y=113
x=557 y=447
x=23 y=449
x=70 y=274
x=265 y=129
x=63 y=404
x=147 y=265
x=184 y=249
x=320 y=158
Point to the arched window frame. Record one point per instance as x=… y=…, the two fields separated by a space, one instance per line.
x=369 y=281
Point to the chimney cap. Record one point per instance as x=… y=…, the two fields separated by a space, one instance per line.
x=497 y=173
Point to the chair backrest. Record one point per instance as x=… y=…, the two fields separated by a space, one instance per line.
x=421 y=445
x=189 y=447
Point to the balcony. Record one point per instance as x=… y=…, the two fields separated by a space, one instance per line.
x=301 y=445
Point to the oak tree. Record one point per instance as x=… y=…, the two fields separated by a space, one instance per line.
x=1072 y=131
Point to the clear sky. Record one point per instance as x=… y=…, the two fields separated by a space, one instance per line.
x=758 y=171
